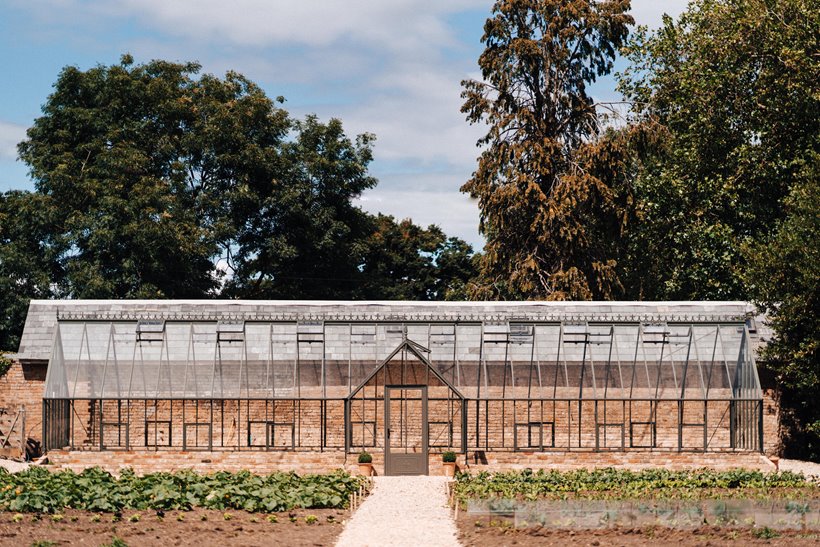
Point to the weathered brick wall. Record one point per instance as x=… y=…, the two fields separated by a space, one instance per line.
x=22 y=387
x=323 y=462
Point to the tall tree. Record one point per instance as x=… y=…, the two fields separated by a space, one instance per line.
x=549 y=213
x=143 y=161
x=404 y=261
x=301 y=236
x=28 y=268
x=784 y=277
x=730 y=90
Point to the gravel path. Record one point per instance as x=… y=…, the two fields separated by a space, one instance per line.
x=403 y=511
x=809 y=469
x=12 y=466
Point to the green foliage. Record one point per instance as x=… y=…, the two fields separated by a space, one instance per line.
x=27 y=259
x=40 y=491
x=365 y=457
x=153 y=181
x=5 y=364
x=115 y=542
x=549 y=209
x=403 y=261
x=784 y=276
x=765 y=533
x=729 y=94
x=613 y=483
x=448 y=457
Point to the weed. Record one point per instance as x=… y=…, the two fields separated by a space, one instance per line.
x=115 y=542
x=43 y=543
x=273 y=518
x=181 y=517
x=204 y=517
x=311 y=519
x=57 y=517
x=764 y=533
x=134 y=518
x=96 y=518
x=17 y=517
x=253 y=519
x=227 y=516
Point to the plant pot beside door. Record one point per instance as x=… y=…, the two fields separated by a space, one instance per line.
x=449 y=461
x=365 y=464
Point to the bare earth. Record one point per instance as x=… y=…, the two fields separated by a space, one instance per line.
x=242 y=529
x=500 y=533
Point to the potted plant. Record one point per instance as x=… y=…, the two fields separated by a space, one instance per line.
x=365 y=463
x=449 y=459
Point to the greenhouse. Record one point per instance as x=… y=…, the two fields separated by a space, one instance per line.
x=405 y=379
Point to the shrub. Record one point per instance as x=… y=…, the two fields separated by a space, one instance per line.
x=448 y=457
x=365 y=457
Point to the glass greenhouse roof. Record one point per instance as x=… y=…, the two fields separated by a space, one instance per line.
x=236 y=358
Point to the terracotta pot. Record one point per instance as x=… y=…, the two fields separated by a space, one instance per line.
x=366 y=469
x=449 y=469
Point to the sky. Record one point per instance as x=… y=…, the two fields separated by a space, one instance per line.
x=388 y=67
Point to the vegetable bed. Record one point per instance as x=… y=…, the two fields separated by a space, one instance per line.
x=617 y=484
x=38 y=490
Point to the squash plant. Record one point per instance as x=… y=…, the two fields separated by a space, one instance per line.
x=38 y=490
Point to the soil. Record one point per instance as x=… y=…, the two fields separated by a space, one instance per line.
x=199 y=527
x=499 y=532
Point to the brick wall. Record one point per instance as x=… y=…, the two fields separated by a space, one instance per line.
x=322 y=462
x=22 y=387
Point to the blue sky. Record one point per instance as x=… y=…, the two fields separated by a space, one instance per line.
x=388 y=67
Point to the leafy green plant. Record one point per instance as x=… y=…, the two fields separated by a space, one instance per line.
x=365 y=457
x=134 y=518
x=17 y=517
x=227 y=516
x=448 y=457
x=272 y=518
x=311 y=519
x=764 y=533
x=57 y=517
x=623 y=484
x=5 y=364
x=37 y=490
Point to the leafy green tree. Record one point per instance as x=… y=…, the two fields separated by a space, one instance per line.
x=730 y=92
x=784 y=277
x=545 y=203
x=143 y=161
x=153 y=181
x=27 y=266
x=404 y=261
x=302 y=237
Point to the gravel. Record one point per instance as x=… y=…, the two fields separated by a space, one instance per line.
x=12 y=466
x=809 y=469
x=409 y=511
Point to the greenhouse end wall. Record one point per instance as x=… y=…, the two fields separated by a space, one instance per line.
x=312 y=377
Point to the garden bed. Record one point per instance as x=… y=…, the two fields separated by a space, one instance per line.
x=198 y=527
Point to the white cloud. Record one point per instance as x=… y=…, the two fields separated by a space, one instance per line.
x=650 y=12
x=10 y=135
x=452 y=211
x=393 y=24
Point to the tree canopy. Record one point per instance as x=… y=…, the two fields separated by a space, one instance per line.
x=730 y=88
x=547 y=208
x=153 y=181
